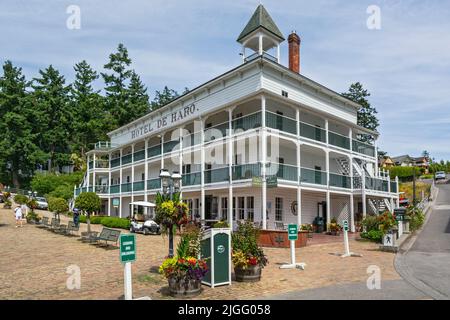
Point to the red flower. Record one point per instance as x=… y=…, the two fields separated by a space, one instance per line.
x=253 y=261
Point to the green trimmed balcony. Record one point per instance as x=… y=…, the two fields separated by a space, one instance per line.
x=338 y=140
x=102 y=189
x=285 y=172
x=127 y=159
x=153 y=151
x=393 y=187
x=139 y=186
x=114 y=188
x=313 y=176
x=340 y=181
x=246 y=171
x=217 y=175
x=363 y=148
x=282 y=123
x=115 y=162
x=216 y=132
x=126 y=187
x=312 y=132
x=101 y=164
x=139 y=155
x=171 y=145
x=192 y=140
x=377 y=184
x=191 y=179
x=251 y=121
x=154 y=184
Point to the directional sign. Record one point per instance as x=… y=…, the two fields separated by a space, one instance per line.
x=345 y=223
x=115 y=202
x=293 y=232
x=127 y=248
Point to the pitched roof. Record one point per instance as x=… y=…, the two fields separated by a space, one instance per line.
x=261 y=18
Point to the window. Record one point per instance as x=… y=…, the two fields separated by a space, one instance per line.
x=284 y=93
x=143 y=176
x=128 y=179
x=241 y=208
x=234 y=208
x=250 y=208
x=196 y=207
x=278 y=209
x=224 y=203
x=190 y=204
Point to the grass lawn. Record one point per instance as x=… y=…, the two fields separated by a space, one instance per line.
x=407 y=187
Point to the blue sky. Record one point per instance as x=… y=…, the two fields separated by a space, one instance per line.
x=405 y=65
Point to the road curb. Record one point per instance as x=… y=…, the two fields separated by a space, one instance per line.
x=402 y=267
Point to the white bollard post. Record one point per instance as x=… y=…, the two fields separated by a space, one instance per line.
x=347 y=247
x=127 y=282
x=293 y=252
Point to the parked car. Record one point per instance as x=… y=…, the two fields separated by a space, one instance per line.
x=42 y=203
x=440 y=175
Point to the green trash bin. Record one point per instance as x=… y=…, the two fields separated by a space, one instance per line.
x=216 y=250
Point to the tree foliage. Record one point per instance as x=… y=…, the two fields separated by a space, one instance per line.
x=367 y=115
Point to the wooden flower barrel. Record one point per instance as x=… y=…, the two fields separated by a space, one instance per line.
x=184 y=288
x=251 y=274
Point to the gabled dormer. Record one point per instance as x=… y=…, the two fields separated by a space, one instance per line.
x=261 y=35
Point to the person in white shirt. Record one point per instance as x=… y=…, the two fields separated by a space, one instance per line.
x=24 y=210
x=18 y=214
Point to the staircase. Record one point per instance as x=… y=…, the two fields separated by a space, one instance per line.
x=344 y=166
x=378 y=206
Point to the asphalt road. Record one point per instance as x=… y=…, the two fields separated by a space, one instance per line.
x=428 y=260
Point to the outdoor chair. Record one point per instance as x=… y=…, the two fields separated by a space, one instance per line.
x=106 y=235
x=88 y=236
x=44 y=223
x=54 y=224
x=71 y=228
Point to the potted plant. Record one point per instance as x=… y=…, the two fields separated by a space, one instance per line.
x=184 y=272
x=7 y=200
x=309 y=228
x=32 y=217
x=171 y=213
x=334 y=228
x=248 y=258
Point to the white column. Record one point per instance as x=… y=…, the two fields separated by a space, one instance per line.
x=109 y=206
x=376 y=158
x=363 y=191
x=88 y=180
x=243 y=54
x=263 y=162
x=132 y=174
x=326 y=131
x=350 y=136
x=93 y=173
x=352 y=213
x=180 y=158
x=162 y=150
x=146 y=171
x=202 y=155
x=230 y=167
x=327 y=163
x=120 y=184
x=299 y=190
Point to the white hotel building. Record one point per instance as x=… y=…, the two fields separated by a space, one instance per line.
x=231 y=136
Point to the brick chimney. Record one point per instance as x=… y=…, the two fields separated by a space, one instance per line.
x=294 y=52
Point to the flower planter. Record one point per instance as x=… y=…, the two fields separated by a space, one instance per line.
x=185 y=287
x=251 y=274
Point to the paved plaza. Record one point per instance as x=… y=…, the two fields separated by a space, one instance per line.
x=34 y=261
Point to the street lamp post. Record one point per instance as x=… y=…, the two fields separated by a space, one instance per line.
x=170 y=184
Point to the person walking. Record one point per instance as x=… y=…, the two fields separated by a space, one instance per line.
x=18 y=215
x=76 y=216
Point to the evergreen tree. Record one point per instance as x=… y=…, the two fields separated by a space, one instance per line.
x=18 y=151
x=138 y=101
x=54 y=119
x=163 y=97
x=116 y=85
x=87 y=106
x=366 y=114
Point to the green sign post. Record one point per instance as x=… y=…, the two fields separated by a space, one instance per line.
x=293 y=232
x=127 y=255
x=293 y=236
x=345 y=223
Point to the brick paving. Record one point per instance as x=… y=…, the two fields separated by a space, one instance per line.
x=33 y=263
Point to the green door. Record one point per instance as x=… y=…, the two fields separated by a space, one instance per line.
x=221 y=258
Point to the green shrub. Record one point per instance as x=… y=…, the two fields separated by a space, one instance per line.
x=417 y=218
x=97 y=219
x=58 y=205
x=404 y=173
x=371 y=223
x=373 y=235
x=221 y=224
x=47 y=183
x=115 y=222
x=20 y=199
x=82 y=218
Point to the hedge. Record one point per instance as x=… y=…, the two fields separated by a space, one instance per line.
x=109 y=222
